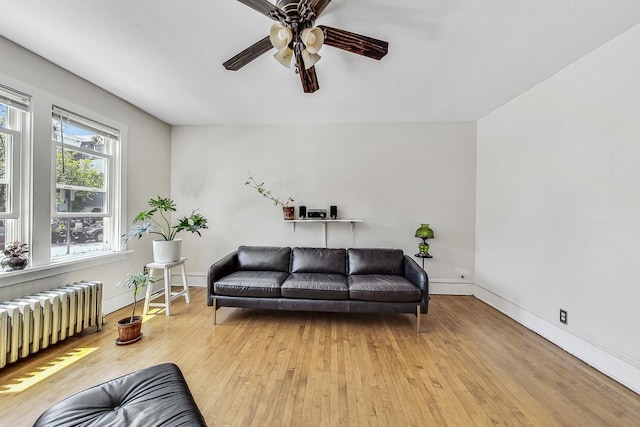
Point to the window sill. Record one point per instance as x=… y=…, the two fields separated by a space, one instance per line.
x=41 y=272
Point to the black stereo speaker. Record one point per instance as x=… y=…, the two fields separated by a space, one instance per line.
x=302 y=212
x=333 y=212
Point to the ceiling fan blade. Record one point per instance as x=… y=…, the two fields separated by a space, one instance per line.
x=248 y=55
x=308 y=77
x=263 y=6
x=318 y=5
x=354 y=43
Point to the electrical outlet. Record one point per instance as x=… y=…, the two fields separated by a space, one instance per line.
x=563 y=316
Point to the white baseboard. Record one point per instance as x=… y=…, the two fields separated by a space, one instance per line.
x=626 y=373
x=449 y=287
x=197 y=279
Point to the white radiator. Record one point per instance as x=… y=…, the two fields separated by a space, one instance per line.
x=34 y=322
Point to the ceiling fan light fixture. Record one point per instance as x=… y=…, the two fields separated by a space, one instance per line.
x=284 y=57
x=280 y=36
x=309 y=59
x=313 y=39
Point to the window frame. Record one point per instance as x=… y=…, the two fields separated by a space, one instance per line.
x=37 y=186
x=113 y=195
x=18 y=115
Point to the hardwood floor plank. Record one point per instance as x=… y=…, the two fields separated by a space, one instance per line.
x=471 y=366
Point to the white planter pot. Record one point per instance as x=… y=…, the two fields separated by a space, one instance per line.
x=167 y=251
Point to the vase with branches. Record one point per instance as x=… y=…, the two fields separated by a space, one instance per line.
x=287 y=210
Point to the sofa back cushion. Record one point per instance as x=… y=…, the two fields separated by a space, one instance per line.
x=376 y=261
x=319 y=260
x=263 y=258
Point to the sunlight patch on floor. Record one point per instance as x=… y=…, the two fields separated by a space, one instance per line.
x=40 y=373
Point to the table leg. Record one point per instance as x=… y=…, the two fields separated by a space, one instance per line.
x=185 y=284
x=147 y=298
x=167 y=291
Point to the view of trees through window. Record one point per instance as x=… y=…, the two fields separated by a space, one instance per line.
x=82 y=165
x=3 y=175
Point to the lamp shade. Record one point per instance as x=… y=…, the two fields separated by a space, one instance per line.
x=284 y=56
x=313 y=38
x=309 y=59
x=424 y=232
x=280 y=36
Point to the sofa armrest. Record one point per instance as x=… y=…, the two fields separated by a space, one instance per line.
x=416 y=275
x=220 y=269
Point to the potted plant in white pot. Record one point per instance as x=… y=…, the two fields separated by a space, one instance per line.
x=130 y=328
x=288 y=211
x=167 y=249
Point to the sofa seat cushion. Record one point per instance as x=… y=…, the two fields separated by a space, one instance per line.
x=315 y=286
x=263 y=284
x=384 y=288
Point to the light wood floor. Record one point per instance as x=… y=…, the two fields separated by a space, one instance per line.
x=471 y=366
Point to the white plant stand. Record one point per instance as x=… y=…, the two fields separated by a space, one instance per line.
x=169 y=295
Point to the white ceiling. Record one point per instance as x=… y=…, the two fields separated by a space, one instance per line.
x=448 y=59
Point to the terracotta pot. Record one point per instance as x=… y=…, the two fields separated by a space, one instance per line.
x=289 y=212
x=129 y=332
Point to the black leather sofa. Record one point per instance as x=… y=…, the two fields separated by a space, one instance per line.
x=151 y=397
x=319 y=279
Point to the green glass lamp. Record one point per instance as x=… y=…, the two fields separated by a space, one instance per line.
x=424 y=233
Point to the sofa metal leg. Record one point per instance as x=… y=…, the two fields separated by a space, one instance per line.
x=215 y=310
x=418 y=318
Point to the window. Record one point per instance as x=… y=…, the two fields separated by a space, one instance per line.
x=82 y=220
x=14 y=108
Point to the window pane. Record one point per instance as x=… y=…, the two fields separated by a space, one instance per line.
x=3 y=156
x=80 y=181
x=77 y=136
x=79 y=201
x=2 y=235
x=77 y=236
x=4 y=120
x=5 y=161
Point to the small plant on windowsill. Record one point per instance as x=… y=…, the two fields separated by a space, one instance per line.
x=15 y=256
x=287 y=210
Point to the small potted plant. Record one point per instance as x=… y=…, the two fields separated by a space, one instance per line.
x=129 y=328
x=15 y=256
x=287 y=210
x=167 y=249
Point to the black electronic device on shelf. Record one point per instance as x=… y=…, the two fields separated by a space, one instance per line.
x=316 y=213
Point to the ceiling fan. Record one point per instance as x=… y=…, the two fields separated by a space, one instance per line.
x=295 y=36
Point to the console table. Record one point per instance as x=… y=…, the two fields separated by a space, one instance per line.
x=324 y=223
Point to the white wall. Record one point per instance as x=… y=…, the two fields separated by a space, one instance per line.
x=148 y=143
x=392 y=176
x=558 y=208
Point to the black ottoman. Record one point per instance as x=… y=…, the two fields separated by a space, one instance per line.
x=155 y=396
